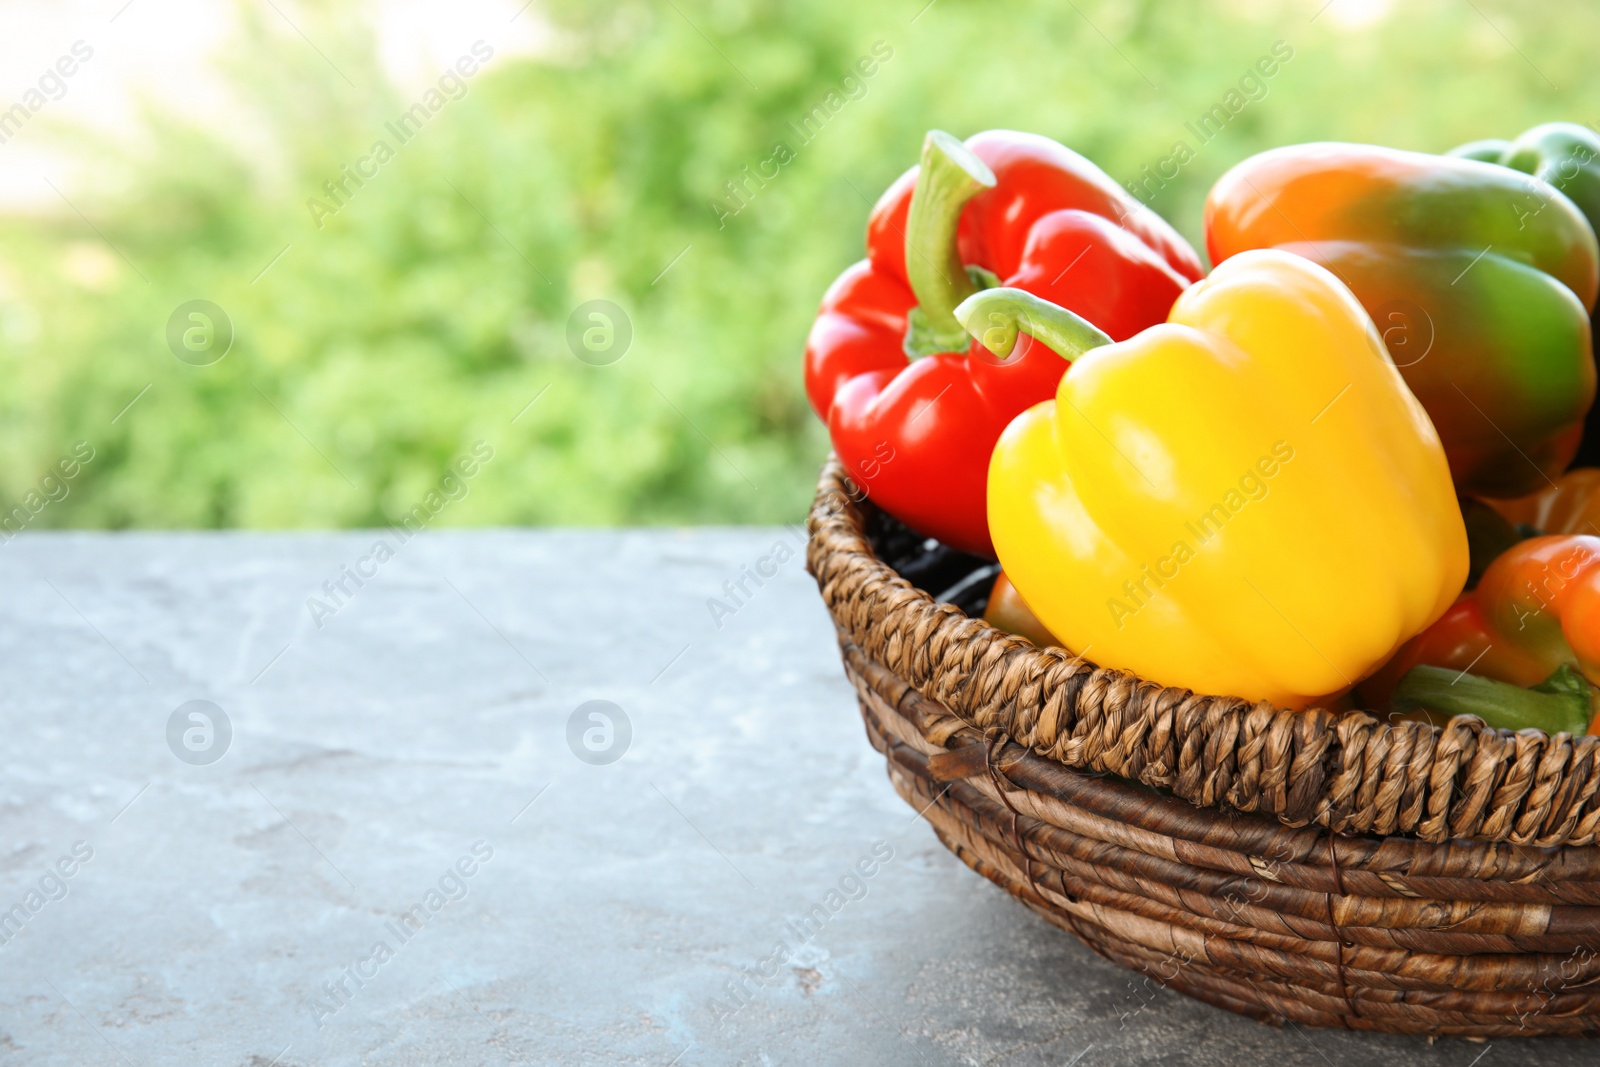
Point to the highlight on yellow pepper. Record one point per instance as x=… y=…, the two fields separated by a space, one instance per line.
x=1245 y=500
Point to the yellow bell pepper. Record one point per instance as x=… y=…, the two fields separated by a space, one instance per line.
x=1243 y=500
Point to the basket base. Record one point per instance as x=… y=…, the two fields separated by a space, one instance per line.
x=1268 y=966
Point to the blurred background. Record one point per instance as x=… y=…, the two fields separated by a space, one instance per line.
x=382 y=325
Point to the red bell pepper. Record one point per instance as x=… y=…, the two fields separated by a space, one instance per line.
x=913 y=404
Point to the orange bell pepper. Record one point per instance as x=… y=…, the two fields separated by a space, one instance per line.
x=1569 y=505
x=1009 y=612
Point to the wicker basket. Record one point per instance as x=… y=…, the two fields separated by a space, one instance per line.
x=1330 y=870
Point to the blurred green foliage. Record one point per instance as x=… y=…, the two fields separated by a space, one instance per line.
x=426 y=313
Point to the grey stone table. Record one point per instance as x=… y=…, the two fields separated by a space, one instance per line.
x=409 y=852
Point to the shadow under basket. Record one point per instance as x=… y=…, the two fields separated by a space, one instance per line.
x=1327 y=869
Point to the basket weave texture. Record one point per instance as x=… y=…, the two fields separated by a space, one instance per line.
x=1327 y=869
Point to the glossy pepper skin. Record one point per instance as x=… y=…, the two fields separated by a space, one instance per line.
x=1536 y=608
x=1023 y=210
x=1245 y=500
x=1485 y=308
x=1007 y=611
x=1568 y=505
x=1567 y=157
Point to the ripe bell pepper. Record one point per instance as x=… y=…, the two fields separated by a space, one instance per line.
x=1536 y=609
x=912 y=405
x=1568 y=505
x=1567 y=157
x=1245 y=500
x=1006 y=610
x=1485 y=308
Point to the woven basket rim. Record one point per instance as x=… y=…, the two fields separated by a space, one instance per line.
x=1347 y=772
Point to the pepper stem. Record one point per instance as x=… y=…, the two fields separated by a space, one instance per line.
x=996 y=316
x=951 y=175
x=1562 y=702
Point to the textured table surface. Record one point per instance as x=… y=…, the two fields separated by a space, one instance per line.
x=231 y=912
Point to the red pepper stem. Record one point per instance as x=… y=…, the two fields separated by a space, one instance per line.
x=996 y=316
x=951 y=175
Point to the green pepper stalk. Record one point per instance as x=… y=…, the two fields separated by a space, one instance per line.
x=996 y=316
x=951 y=175
x=1561 y=703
